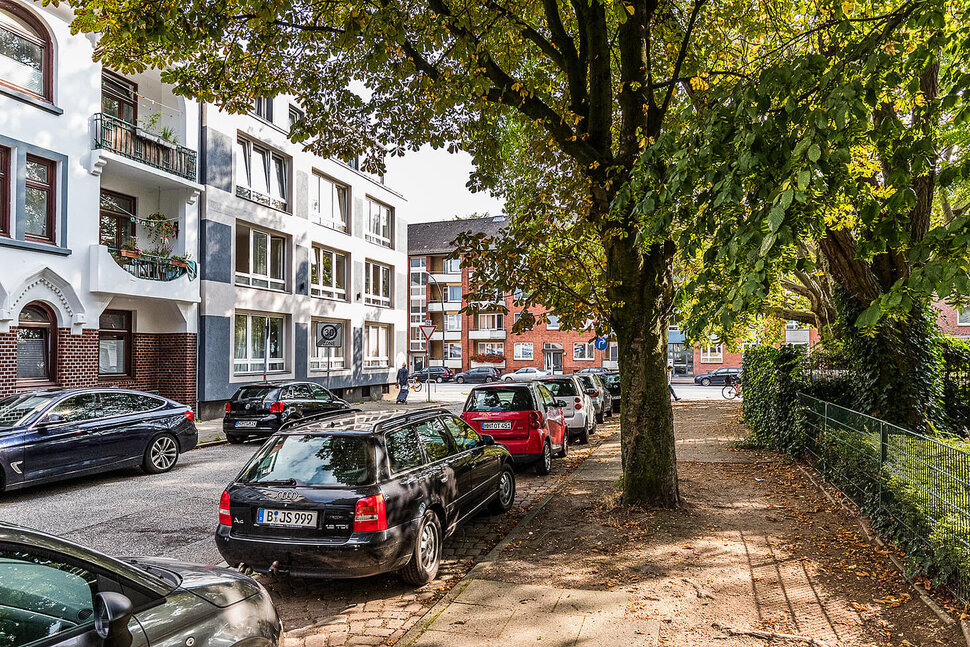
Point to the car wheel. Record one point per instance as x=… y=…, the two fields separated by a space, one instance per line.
x=584 y=434
x=506 y=492
x=565 y=446
x=599 y=418
x=706 y=381
x=426 y=555
x=460 y=380
x=439 y=380
x=544 y=464
x=508 y=379
x=161 y=455
x=489 y=379
x=235 y=440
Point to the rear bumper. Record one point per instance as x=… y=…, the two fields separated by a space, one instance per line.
x=362 y=555
x=264 y=425
x=525 y=459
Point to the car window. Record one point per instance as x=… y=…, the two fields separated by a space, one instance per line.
x=313 y=460
x=585 y=381
x=545 y=396
x=320 y=393
x=41 y=598
x=465 y=437
x=18 y=409
x=253 y=392
x=403 y=449
x=76 y=408
x=120 y=404
x=502 y=399
x=301 y=392
x=560 y=387
x=437 y=443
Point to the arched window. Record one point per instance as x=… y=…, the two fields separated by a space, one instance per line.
x=25 y=52
x=36 y=343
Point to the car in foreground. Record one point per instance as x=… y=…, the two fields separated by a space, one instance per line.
x=260 y=409
x=526 y=418
x=718 y=376
x=612 y=383
x=57 y=434
x=579 y=414
x=433 y=374
x=54 y=593
x=525 y=374
x=356 y=494
x=600 y=395
x=479 y=375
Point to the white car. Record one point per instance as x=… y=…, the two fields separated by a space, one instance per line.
x=579 y=412
x=525 y=374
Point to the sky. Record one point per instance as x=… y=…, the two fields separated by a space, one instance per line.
x=433 y=182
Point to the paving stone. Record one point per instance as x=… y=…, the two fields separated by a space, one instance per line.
x=600 y=631
x=509 y=596
x=472 y=619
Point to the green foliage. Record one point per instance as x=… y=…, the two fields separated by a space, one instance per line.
x=772 y=379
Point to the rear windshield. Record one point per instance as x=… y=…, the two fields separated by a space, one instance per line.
x=560 y=387
x=507 y=399
x=253 y=392
x=312 y=460
x=587 y=381
x=611 y=379
x=18 y=409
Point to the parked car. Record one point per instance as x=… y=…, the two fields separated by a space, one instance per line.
x=593 y=369
x=612 y=382
x=58 y=594
x=597 y=391
x=433 y=374
x=579 y=415
x=478 y=375
x=356 y=494
x=718 y=376
x=260 y=409
x=63 y=433
x=526 y=418
x=525 y=374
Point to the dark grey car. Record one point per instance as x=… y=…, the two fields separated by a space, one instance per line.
x=54 y=593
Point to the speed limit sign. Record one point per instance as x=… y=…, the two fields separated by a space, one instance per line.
x=329 y=334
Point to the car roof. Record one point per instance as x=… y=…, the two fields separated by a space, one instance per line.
x=355 y=421
x=502 y=385
x=87 y=389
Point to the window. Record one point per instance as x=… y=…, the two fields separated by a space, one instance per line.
x=583 y=351
x=294 y=115
x=263 y=108
x=452 y=266
x=419 y=264
x=491 y=348
x=261 y=175
x=4 y=191
x=329 y=202
x=119 y=97
x=36 y=343
x=465 y=437
x=712 y=353
x=418 y=342
x=76 y=408
x=453 y=322
x=114 y=343
x=260 y=259
x=612 y=351
x=39 y=200
x=519 y=295
x=453 y=294
x=258 y=344
x=377 y=284
x=25 y=52
x=522 y=350
x=377 y=341
x=122 y=404
x=403 y=449
x=793 y=325
x=494 y=321
x=451 y=350
x=117 y=219
x=553 y=322
x=380 y=223
x=328 y=274
x=321 y=357
x=963 y=317
x=438 y=444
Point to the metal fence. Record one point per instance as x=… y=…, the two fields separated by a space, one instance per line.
x=154 y=268
x=128 y=140
x=916 y=489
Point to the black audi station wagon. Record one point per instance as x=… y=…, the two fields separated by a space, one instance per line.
x=356 y=494
x=260 y=409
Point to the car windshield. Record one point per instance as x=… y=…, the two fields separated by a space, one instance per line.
x=561 y=387
x=16 y=410
x=312 y=460
x=611 y=379
x=587 y=381
x=507 y=399
x=253 y=392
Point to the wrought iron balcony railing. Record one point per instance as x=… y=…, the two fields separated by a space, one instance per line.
x=127 y=140
x=153 y=268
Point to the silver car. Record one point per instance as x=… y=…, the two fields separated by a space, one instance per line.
x=59 y=594
x=579 y=414
x=602 y=400
x=525 y=374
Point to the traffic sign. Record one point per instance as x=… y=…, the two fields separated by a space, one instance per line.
x=601 y=343
x=329 y=334
x=427 y=331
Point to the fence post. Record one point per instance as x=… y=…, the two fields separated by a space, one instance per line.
x=883 y=456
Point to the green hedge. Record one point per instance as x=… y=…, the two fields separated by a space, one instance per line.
x=772 y=379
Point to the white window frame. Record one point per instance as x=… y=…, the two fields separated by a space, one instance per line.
x=448 y=292
x=452 y=266
x=712 y=352
x=332 y=210
x=550 y=325
x=491 y=348
x=491 y=321
x=380 y=223
x=276 y=194
x=451 y=350
x=379 y=357
x=251 y=365
x=449 y=322
x=963 y=316
x=417 y=342
x=324 y=290
x=378 y=275
x=584 y=351
x=254 y=279
x=318 y=355
x=519 y=349
x=613 y=351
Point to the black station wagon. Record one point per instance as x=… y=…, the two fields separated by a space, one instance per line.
x=260 y=409
x=355 y=494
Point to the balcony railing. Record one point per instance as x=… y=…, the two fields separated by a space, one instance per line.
x=154 y=268
x=127 y=140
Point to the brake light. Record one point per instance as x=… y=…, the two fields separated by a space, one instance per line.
x=579 y=403
x=190 y=416
x=535 y=420
x=227 y=407
x=370 y=515
x=276 y=407
x=224 y=517
x=595 y=394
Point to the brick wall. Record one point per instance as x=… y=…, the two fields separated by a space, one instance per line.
x=946 y=318
x=8 y=361
x=77 y=358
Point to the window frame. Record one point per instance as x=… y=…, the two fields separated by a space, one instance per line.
x=263 y=109
x=52 y=333
x=266 y=362
x=132 y=100
x=371 y=297
x=249 y=147
x=318 y=359
x=318 y=288
x=484 y=346
x=42 y=39
x=317 y=215
x=378 y=237
x=451 y=317
x=960 y=314
x=378 y=361
x=6 y=155
x=519 y=346
x=451 y=266
x=448 y=289
x=126 y=334
x=250 y=278
x=106 y=213
x=51 y=190
x=550 y=325
x=497 y=319
x=709 y=356
x=448 y=350
x=588 y=351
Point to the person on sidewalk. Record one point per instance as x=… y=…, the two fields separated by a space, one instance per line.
x=670 y=377
x=402 y=381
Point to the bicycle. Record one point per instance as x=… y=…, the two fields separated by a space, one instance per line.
x=731 y=391
x=415 y=385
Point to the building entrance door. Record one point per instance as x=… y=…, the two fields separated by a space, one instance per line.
x=552 y=360
x=682 y=359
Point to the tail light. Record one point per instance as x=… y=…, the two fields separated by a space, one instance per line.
x=224 y=517
x=227 y=407
x=370 y=515
x=535 y=420
x=579 y=403
x=190 y=416
x=276 y=407
x=595 y=394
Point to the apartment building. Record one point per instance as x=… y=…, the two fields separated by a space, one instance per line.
x=291 y=240
x=438 y=290
x=99 y=199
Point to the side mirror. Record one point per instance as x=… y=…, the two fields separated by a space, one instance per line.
x=486 y=439
x=52 y=419
x=112 y=611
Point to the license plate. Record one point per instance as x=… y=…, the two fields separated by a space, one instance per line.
x=505 y=424
x=245 y=423
x=286 y=518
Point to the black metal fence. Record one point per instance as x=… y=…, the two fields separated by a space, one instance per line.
x=154 y=268
x=127 y=140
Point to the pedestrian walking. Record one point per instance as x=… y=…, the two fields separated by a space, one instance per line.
x=402 y=381
x=670 y=378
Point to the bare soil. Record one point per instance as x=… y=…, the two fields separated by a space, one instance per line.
x=755 y=546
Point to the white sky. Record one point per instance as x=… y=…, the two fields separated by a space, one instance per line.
x=433 y=182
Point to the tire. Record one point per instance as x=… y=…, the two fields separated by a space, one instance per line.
x=508 y=379
x=565 y=445
x=729 y=392
x=489 y=380
x=161 y=455
x=438 y=380
x=599 y=418
x=706 y=381
x=460 y=380
x=506 y=492
x=544 y=464
x=426 y=554
x=235 y=440
x=584 y=434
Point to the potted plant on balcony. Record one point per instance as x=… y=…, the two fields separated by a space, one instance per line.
x=148 y=128
x=179 y=260
x=129 y=248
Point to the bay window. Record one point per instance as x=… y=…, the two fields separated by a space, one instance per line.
x=377 y=284
x=329 y=202
x=377 y=345
x=380 y=223
x=328 y=273
x=260 y=259
x=258 y=344
x=261 y=175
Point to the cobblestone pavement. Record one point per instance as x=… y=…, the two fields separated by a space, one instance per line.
x=379 y=610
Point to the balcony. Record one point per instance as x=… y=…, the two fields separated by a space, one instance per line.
x=448 y=306
x=446 y=335
x=146 y=275
x=131 y=142
x=487 y=333
x=445 y=279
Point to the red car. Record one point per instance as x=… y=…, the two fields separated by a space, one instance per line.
x=524 y=417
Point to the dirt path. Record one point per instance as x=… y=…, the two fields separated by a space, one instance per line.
x=756 y=546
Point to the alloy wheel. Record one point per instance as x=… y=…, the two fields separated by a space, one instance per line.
x=429 y=547
x=547 y=456
x=164 y=452
x=505 y=490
